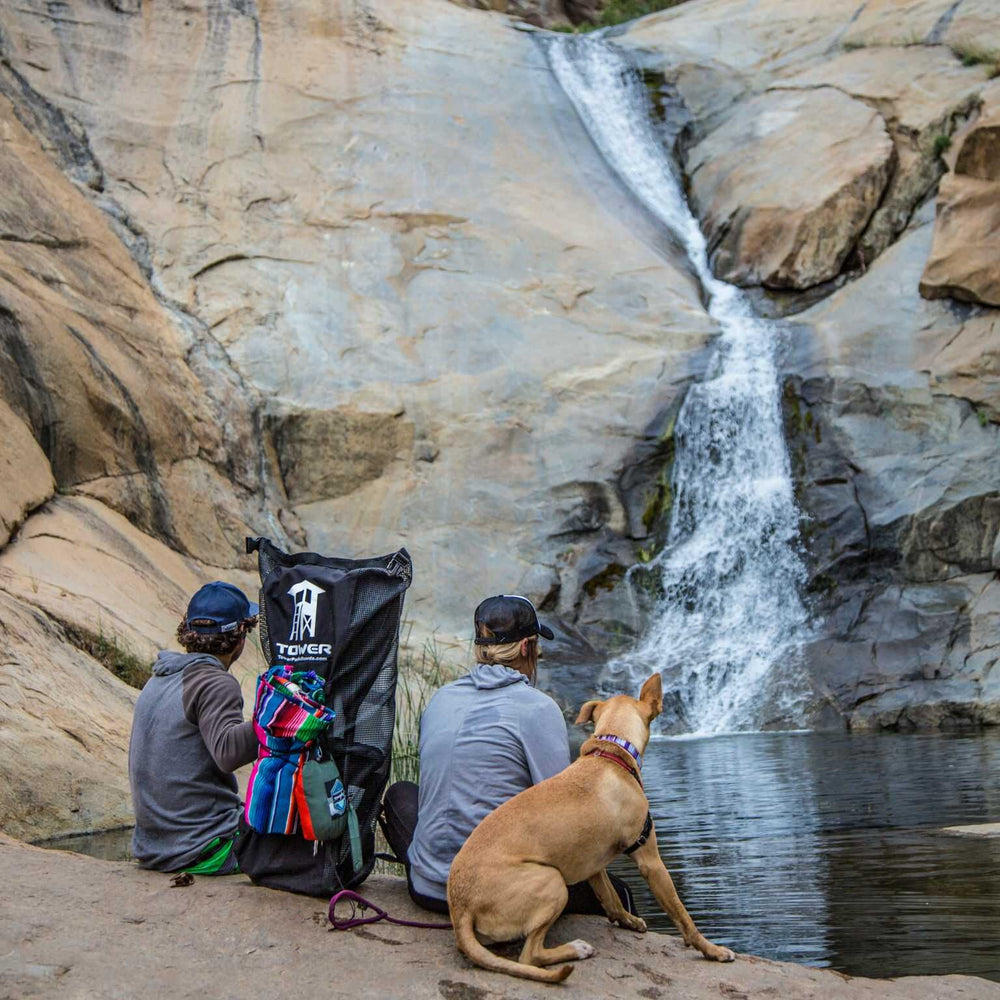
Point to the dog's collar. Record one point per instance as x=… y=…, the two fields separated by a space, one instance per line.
x=619 y=761
x=631 y=750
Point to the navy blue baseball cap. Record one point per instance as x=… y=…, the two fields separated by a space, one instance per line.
x=222 y=604
x=509 y=618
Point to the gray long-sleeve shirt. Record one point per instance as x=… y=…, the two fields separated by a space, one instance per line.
x=483 y=739
x=188 y=736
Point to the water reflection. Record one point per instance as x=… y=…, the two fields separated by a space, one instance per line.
x=108 y=845
x=825 y=849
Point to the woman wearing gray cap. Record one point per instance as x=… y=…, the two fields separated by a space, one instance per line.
x=483 y=739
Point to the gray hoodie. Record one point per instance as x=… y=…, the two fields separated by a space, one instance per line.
x=188 y=736
x=483 y=739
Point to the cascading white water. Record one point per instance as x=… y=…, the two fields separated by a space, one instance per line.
x=730 y=614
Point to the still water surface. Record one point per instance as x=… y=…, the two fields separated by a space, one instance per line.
x=825 y=849
x=821 y=849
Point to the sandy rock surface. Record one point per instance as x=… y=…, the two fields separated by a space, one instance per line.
x=132 y=934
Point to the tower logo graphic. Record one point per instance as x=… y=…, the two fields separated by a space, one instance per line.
x=306 y=597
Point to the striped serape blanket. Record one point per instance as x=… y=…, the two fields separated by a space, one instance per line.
x=288 y=716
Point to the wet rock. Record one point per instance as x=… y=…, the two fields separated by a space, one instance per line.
x=897 y=480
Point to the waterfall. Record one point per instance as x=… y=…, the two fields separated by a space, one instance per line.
x=725 y=630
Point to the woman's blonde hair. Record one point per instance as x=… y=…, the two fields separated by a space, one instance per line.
x=508 y=654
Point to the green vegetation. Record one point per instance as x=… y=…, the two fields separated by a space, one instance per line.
x=984 y=417
x=607 y=579
x=899 y=42
x=647 y=555
x=942 y=143
x=420 y=675
x=112 y=652
x=618 y=12
x=971 y=53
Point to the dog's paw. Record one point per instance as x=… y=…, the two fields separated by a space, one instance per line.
x=719 y=954
x=582 y=948
x=632 y=923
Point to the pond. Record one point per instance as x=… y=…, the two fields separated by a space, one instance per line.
x=818 y=848
x=826 y=849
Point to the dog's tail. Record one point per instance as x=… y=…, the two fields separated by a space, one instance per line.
x=470 y=946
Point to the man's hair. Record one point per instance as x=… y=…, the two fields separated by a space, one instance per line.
x=507 y=654
x=213 y=643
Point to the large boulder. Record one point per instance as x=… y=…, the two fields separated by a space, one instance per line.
x=925 y=95
x=787 y=184
x=888 y=56
x=964 y=261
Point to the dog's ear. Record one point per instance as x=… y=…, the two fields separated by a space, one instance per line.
x=587 y=710
x=652 y=695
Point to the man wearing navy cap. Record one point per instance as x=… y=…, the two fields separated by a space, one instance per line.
x=188 y=737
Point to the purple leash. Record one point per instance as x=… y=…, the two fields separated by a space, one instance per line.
x=359 y=902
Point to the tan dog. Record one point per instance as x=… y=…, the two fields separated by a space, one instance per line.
x=509 y=879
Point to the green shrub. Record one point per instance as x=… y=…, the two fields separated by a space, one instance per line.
x=112 y=652
x=620 y=11
x=420 y=675
x=971 y=53
x=942 y=143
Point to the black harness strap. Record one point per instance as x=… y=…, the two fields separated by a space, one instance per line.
x=647 y=828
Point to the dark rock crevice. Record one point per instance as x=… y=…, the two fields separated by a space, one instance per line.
x=62 y=137
x=134 y=427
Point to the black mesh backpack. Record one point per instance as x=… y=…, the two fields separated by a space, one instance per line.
x=339 y=617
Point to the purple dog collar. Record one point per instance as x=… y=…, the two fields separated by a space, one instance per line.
x=626 y=746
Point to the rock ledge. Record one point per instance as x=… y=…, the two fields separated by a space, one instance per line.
x=76 y=927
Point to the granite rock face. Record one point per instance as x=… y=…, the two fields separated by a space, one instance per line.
x=119 y=493
x=298 y=271
x=759 y=90
x=457 y=323
x=897 y=469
